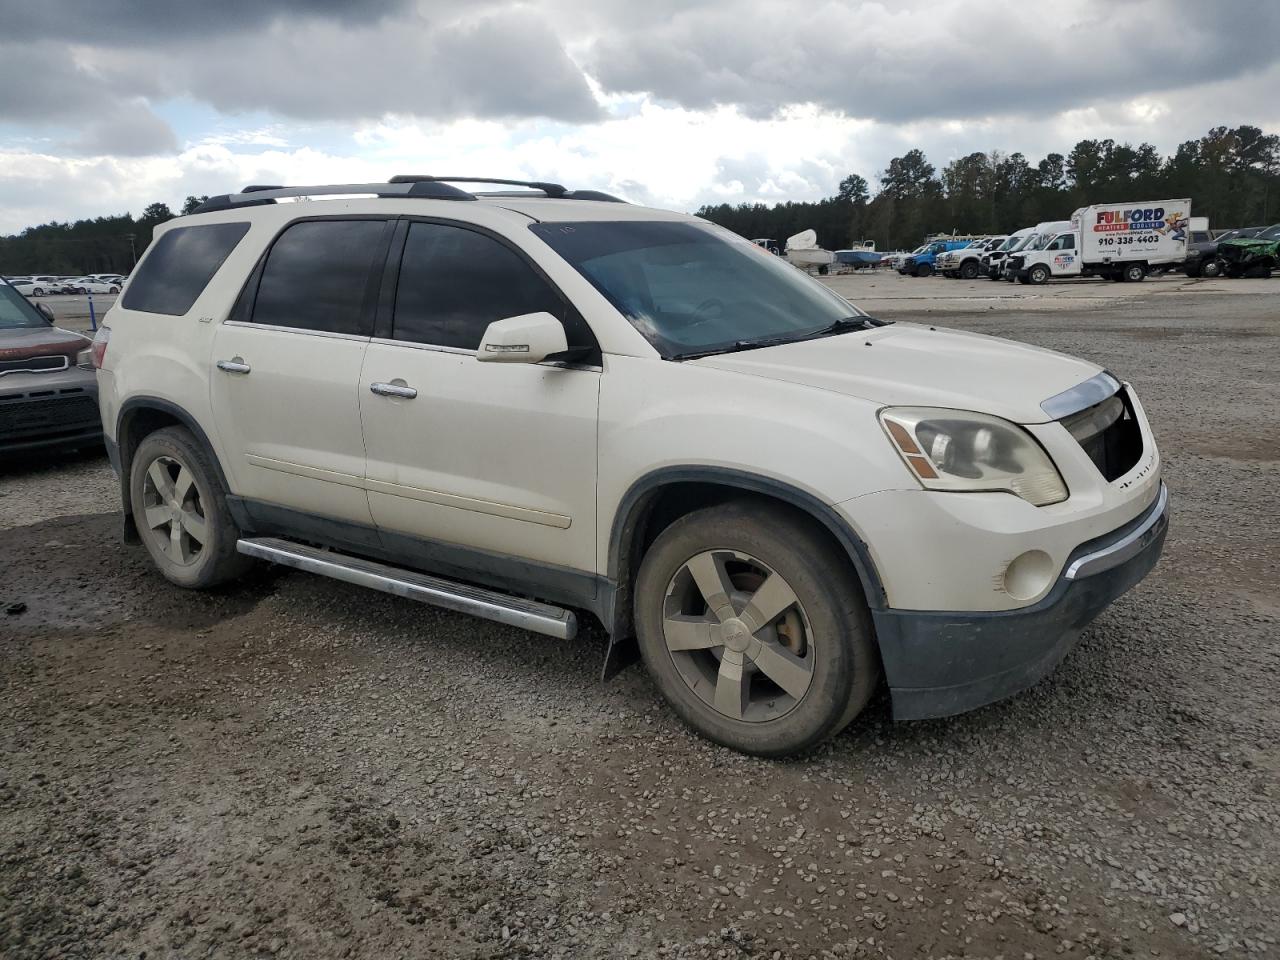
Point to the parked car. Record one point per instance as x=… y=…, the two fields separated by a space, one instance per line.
x=525 y=405
x=48 y=392
x=965 y=263
x=1254 y=256
x=992 y=264
x=920 y=263
x=93 y=285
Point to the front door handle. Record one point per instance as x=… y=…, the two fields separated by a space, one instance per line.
x=234 y=365
x=399 y=390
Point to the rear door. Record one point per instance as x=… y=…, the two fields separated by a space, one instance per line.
x=496 y=457
x=286 y=368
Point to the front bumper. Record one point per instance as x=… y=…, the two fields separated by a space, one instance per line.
x=42 y=410
x=941 y=663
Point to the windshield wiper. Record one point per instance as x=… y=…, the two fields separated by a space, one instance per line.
x=843 y=325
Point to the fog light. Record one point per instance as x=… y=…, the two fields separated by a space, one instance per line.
x=1028 y=575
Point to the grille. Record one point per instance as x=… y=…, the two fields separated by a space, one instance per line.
x=1109 y=433
x=34 y=365
x=1016 y=261
x=37 y=415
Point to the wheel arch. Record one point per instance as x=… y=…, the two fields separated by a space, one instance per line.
x=659 y=498
x=140 y=416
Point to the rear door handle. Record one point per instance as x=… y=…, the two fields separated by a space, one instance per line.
x=236 y=365
x=399 y=390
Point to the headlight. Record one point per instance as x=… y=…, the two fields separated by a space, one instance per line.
x=85 y=358
x=963 y=451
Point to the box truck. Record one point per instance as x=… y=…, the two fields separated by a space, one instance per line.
x=1120 y=241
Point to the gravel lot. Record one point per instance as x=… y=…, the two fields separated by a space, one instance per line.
x=301 y=769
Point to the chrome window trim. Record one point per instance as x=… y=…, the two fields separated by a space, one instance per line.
x=1131 y=544
x=66 y=363
x=301 y=331
x=415 y=345
x=1082 y=396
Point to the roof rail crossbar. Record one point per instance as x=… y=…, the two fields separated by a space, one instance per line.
x=550 y=189
x=256 y=194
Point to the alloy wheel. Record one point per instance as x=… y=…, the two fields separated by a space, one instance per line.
x=175 y=518
x=738 y=636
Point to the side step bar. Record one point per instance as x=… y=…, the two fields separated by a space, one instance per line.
x=464 y=598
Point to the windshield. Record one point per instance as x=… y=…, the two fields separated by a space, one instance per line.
x=1025 y=242
x=15 y=312
x=1271 y=233
x=693 y=288
x=1010 y=243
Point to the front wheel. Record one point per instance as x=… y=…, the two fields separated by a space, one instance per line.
x=924 y=270
x=1211 y=268
x=114 y=290
x=969 y=270
x=754 y=628
x=180 y=509
x=1039 y=274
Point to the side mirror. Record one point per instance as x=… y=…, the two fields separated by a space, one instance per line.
x=47 y=311
x=529 y=338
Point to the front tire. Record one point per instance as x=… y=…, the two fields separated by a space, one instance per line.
x=1211 y=268
x=924 y=270
x=180 y=509
x=969 y=270
x=1134 y=273
x=1039 y=275
x=754 y=628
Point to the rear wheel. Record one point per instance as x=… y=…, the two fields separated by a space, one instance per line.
x=114 y=290
x=179 y=506
x=1039 y=274
x=753 y=627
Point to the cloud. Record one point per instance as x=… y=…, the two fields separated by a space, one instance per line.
x=132 y=130
x=942 y=59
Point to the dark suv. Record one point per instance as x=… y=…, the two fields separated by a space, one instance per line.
x=48 y=392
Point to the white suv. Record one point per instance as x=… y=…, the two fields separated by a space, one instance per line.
x=526 y=403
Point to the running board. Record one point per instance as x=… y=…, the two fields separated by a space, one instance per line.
x=462 y=597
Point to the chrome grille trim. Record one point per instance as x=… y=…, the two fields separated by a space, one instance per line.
x=1082 y=396
x=54 y=363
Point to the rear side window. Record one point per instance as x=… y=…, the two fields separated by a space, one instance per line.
x=455 y=282
x=319 y=275
x=179 y=266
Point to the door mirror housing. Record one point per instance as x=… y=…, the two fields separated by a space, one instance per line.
x=529 y=338
x=45 y=309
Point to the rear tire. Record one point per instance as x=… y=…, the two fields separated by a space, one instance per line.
x=768 y=690
x=174 y=483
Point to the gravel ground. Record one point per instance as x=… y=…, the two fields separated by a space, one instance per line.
x=301 y=769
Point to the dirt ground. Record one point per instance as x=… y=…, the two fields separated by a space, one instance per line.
x=298 y=768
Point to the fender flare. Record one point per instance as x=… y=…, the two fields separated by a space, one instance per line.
x=641 y=493
x=122 y=455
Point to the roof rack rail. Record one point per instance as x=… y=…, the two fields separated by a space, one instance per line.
x=399 y=186
x=258 y=194
x=555 y=191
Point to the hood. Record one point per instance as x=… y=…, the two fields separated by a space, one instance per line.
x=27 y=342
x=912 y=365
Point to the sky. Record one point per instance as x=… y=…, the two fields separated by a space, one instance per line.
x=108 y=105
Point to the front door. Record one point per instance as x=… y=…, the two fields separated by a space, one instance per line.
x=1064 y=260
x=286 y=369
x=500 y=457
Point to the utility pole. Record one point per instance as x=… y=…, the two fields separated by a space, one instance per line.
x=133 y=250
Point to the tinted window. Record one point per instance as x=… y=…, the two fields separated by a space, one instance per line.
x=690 y=287
x=15 y=312
x=180 y=265
x=455 y=282
x=317 y=276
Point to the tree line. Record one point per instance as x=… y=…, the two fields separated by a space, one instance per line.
x=109 y=244
x=1231 y=174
